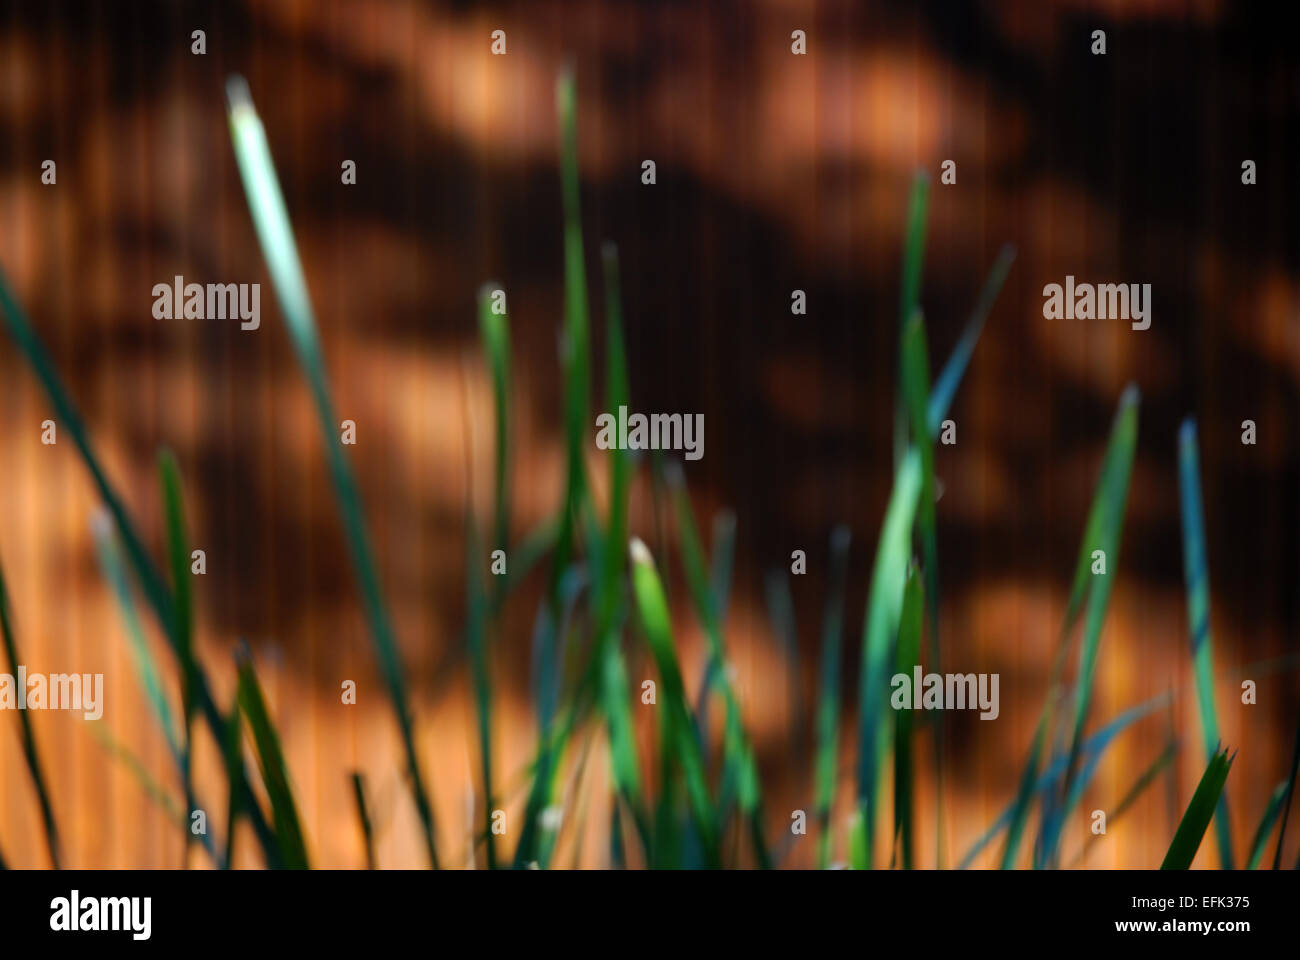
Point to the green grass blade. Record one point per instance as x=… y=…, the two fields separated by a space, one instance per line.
x=615 y=688
x=1102 y=531
x=945 y=387
x=271 y=220
x=680 y=743
x=178 y=556
x=284 y=810
x=1271 y=812
x=1109 y=505
x=30 y=753
x=494 y=331
x=884 y=608
x=828 y=699
x=363 y=817
x=1196 y=573
x=1187 y=838
x=70 y=420
x=909 y=656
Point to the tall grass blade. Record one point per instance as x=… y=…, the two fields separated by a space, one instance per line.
x=494 y=331
x=828 y=698
x=884 y=608
x=1197 y=575
x=30 y=753
x=1187 y=838
x=614 y=685
x=178 y=556
x=1103 y=532
x=284 y=810
x=271 y=220
x=680 y=744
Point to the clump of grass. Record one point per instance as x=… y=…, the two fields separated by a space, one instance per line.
x=604 y=591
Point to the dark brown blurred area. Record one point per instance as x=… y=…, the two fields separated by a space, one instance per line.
x=775 y=172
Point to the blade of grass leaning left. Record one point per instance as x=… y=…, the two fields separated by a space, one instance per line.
x=178 y=555
x=29 y=739
x=271 y=220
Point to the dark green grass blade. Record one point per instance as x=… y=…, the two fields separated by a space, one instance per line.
x=70 y=420
x=1197 y=575
x=909 y=656
x=828 y=699
x=494 y=331
x=1147 y=777
x=271 y=219
x=680 y=744
x=1187 y=838
x=884 y=607
x=945 y=387
x=284 y=810
x=910 y=291
x=30 y=753
x=363 y=817
x=178 y=557
x=1271 y=812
